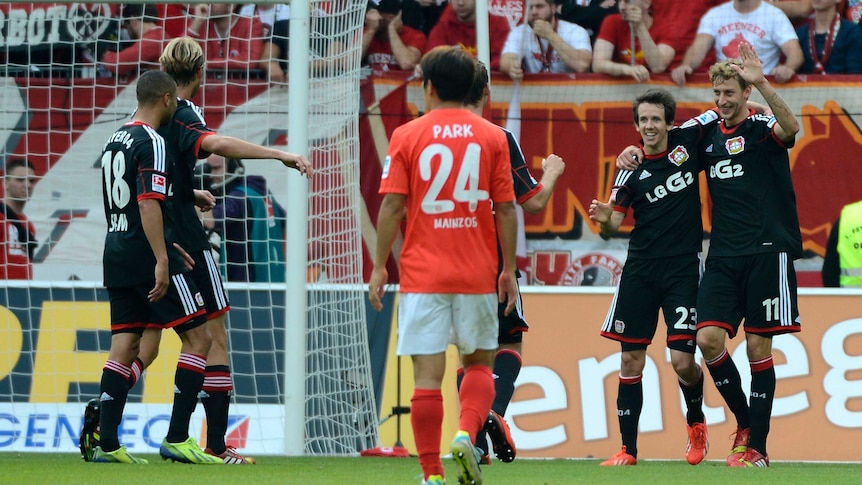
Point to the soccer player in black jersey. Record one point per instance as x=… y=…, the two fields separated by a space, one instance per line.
x=663 y=265
x=755 y=238
x=532 y=196
x=145 y=276
x=189 y=139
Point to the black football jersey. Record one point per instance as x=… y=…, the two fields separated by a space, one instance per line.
x=133 y=169
x=183 y=135
x=663 y=193
x=753 y=201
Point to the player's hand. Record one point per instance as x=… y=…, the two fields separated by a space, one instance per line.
x=783 y=74
x=204 y=200
x=188 y=260
x=508 y=290
x=297 y=162
x=543 y=29
x=630 y=158
x=679 y=73
x=163 y=280
x=553 y=164
x=601 y=211
x=376 y=287
x=639 y=72
x=751 y=69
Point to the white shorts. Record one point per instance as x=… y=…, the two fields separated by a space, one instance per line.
x=429 y=322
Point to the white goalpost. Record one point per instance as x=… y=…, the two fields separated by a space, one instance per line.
x=299 y=348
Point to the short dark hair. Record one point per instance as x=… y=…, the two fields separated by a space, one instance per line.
x=451 y=71
x=659 y=97
x=385 y=6
x=145 y=13
x=16 y=163
x=152 y=85
x=480 y=82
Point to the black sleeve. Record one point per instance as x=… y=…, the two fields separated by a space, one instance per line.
x=831 y=271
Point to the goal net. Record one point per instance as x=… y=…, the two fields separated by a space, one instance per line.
x=68 y=81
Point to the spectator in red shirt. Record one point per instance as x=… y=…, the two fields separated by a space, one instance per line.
x=229 y=40
x=653 y=48
x=17 y=234
x=682 y=18
x=388 y=44
x=457 y=27
x=142 y=24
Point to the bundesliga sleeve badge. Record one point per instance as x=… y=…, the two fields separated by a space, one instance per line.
x=159 y=184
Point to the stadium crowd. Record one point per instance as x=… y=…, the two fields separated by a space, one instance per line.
x=627 y=38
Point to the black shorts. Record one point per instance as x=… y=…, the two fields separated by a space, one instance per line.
x=760 y=288
x=208 y=279
x=647 y=286
x=513 y=325
x=182 y=308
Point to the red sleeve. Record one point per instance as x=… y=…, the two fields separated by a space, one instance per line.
x=610 y=26
x=499 y=30
x=413 y=38
x=199 y=150
x=438 y=35
x=152 y=195
x=175 y=18
x=146 y=50
x=246 y=40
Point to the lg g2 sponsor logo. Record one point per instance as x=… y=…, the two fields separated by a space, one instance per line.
x=726 y=169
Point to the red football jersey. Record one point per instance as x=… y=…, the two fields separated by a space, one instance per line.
x=451 y=164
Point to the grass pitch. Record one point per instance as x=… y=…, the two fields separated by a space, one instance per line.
x=57 y=468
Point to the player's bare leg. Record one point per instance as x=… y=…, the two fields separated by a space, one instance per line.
x=691 y=383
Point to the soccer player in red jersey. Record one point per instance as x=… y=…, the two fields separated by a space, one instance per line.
x=446 y=169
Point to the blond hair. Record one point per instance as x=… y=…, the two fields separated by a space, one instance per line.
x=182 y=59
x=722 y=71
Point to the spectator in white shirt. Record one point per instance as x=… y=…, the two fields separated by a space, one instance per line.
x=759 y=23
x=545 y=44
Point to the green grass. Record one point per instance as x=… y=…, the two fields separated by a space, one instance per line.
x=32 y=468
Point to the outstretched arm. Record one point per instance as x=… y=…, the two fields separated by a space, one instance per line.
x=230 y=147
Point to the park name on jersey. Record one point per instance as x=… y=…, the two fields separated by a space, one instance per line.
x=460 y=130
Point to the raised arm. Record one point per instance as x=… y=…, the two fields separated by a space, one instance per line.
x=752 y=71
x=552 y=167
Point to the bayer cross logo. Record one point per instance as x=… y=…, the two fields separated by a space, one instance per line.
x=86 y=22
